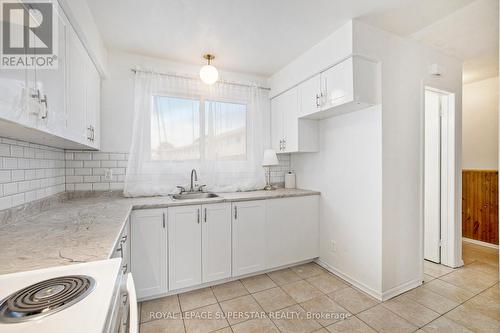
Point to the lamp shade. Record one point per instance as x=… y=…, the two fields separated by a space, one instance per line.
x=270 y=158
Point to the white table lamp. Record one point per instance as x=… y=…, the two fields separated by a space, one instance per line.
x=269 y=160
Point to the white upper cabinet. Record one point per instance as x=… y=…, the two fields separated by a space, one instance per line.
x=310 y=96
x=57 y=106
x=290 y=134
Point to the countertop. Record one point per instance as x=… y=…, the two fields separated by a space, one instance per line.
x=82 y=229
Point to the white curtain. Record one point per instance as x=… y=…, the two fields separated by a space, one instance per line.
x=182 y=124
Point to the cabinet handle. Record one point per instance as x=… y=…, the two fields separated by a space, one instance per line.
x=120 y=249
x=317 y=100
x=124 y=239
x=125 y=267
x=284 y=144
x=163 y=220
x=45 y=101
x=36 y=96
x=205 y=217
x=198 y=216
x=235 y=212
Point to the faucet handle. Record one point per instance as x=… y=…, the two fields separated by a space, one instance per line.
x=182 y=188
x=200 y=188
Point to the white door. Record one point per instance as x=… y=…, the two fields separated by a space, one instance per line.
x=337 y=84
x=149 y=252
x=184 y=244
x=432 y=176
x=249 y=237
x=310 y=97
x=292 y=230
x=277 y=135
x=75 y=115
x=216 y=241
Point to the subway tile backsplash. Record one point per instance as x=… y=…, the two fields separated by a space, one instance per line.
x=29 y=172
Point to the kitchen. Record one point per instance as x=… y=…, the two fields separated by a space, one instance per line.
x=212 y=182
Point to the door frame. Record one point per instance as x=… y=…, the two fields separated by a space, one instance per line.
x=451 y=227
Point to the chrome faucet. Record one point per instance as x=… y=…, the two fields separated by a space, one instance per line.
x=193 y=173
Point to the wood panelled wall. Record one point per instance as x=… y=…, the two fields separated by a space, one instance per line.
x=480 y=205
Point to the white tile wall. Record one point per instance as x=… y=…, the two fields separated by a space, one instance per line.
x=29 y=172
x=85 y=170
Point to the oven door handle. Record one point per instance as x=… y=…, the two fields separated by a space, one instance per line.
x=132 y=298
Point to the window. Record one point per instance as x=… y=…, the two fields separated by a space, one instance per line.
x=176 y=124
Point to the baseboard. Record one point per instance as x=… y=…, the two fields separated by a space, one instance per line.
x=361 y=286
x=401 y=289
x=477 y=242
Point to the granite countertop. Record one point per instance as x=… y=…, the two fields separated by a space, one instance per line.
x=82 y=229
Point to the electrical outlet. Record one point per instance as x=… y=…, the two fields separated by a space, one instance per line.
x=333 y=246
x=108 y=174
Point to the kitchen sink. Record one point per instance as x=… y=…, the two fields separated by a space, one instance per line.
x=194 y=195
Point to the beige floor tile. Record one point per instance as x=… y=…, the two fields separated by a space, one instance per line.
x=432 y=300
x=273 y=299
x=205 y=319
x=470 y=279
x=493 y=292
x=163 y=326
x=473 y=320
x=257 y=325
x=428 y=278
x=169 y=304
x=410 y=310
x=484 y=305
x=445 y=325
x=301 y=291
x=229 y=290
x=485 y=268
x=321 y=330
x=308 y=270
x=240 y=309
x=324 y=310
x=436 y=270
x=197 y=299
x=351 y=325
x=353 y=300
x=284 y=276
x=385 y=321
x=294 y=319
x=327 y=282
x=224 y=330
x=258 y=283
x=449 y=290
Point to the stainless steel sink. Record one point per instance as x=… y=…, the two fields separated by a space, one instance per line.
x=194 y=195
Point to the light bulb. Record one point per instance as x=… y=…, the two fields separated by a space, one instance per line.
x=209 y=74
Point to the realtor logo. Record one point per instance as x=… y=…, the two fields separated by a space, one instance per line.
x=29 y=35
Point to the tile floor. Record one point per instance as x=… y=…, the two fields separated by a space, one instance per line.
x=450 y=300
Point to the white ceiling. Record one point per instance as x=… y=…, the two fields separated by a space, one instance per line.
x=252 y=36
x=262 y=36
x=465 y=29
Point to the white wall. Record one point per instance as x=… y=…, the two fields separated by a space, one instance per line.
x=480 y=125
x=348 y=172
x=118 y=94
x=405 y=72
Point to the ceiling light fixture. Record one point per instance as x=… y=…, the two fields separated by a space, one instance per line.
x=209 y=73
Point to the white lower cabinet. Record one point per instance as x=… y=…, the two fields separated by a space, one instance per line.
x=292 y=230
x=249 y=237
x=184 y=244
x=216 y=242
x=149 y=252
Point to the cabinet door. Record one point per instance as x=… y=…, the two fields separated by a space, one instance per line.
x=51 y=84
x=184 y=243
x=216 y=241
x=92 y=104
x=249 y=237
x=337 y=84
x=277 y=134
x=291 y=121
x=309 y=96
x=75 y=115
x=149 y=252
x=300 y=218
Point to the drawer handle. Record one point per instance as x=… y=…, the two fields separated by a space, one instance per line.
x=125 y=268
